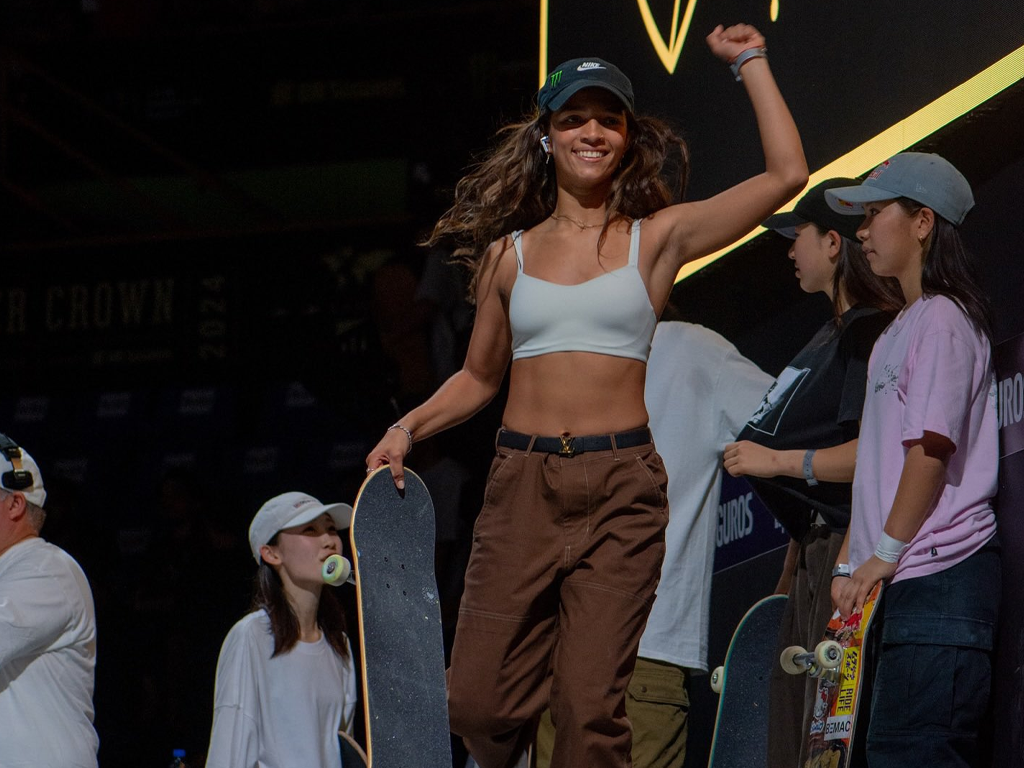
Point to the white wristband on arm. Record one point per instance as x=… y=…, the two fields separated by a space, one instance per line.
x=808 y=466
x=889 y=549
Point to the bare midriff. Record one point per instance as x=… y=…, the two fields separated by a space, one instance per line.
x=576 y=393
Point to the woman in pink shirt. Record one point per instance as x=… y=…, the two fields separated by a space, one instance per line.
x=922 y=517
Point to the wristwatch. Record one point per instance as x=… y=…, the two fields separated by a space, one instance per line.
x=842 y=569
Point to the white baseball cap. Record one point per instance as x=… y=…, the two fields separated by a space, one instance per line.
x=19 y=472
x=287 y=511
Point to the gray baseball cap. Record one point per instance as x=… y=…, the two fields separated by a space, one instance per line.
x=576 y=74
x=287 y=511
x=924 y=178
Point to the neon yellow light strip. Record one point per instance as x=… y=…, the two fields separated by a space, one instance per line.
x=543 y=44
x=669 y=54
x=912 y=129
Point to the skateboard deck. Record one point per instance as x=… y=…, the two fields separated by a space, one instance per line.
x=839 y=663
x=403 y=665
x=352 y=755
x=741 y=726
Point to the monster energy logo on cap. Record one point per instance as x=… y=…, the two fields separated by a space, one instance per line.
x=577 y=74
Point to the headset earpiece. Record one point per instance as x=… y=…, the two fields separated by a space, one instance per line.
x=17 y=479
x=545 y=143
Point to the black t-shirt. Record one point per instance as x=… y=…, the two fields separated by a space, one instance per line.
x=816 y=402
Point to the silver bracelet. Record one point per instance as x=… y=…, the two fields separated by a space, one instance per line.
x=744 y=57
x=842 y=569
x=889 y=549
x=809 y=466
x=408 y=434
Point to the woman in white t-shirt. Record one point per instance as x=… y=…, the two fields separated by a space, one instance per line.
x=285 y=678
x=927 y=464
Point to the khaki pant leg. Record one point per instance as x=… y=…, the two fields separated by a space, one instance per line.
x=658 y=707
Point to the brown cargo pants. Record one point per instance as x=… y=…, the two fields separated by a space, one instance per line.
x=565 y=562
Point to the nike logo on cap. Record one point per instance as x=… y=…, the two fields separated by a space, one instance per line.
x=588 y=65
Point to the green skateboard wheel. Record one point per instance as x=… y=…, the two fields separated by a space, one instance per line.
x=336 y=570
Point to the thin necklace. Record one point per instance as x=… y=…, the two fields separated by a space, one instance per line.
x=574 y=220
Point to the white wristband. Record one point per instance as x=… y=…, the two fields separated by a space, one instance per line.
x=808 y=466
x=889 y=549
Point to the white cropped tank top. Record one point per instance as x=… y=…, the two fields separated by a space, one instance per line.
x=610 y=314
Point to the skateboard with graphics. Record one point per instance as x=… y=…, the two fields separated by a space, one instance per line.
x=403 y=665
x=741 y=726
x=838 y=662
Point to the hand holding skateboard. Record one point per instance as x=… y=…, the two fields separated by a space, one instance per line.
x=391 y=450
x=849 y=595
x=839 y=663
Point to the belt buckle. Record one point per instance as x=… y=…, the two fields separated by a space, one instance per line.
x=567 y=448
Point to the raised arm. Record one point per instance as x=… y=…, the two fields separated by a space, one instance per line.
x=691 y=230
x=475 y=385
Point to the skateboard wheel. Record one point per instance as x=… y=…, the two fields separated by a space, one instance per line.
x=336 y=570
x=718 y=679
x=789 y=660
x=829 y=654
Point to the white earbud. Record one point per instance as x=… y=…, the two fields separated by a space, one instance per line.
x=545 y=142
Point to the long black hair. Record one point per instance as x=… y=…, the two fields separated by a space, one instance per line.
x=854 y=279
x=269 y=594
x=948 y=270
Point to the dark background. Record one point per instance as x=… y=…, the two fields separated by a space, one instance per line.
x=208 y=218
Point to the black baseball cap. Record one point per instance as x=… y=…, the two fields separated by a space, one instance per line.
x=814 y=208
x=575 y=75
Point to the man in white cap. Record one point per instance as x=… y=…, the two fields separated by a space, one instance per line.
x=47 y=632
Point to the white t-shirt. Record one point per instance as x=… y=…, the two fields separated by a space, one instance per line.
x=281 y=712
x=700 y=392
x=47 y=659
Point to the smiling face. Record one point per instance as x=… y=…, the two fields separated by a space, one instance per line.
x=589 y=137
x=815 y=255
x=300 y=551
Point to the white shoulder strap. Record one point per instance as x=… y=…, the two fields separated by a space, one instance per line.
x=634 y=242
x=517 y=242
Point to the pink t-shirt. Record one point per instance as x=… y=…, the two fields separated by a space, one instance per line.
x=929 y=371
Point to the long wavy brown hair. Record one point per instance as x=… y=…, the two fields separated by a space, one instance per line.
x=513 y=186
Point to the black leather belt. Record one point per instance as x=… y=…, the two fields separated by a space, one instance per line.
x=570 y=445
